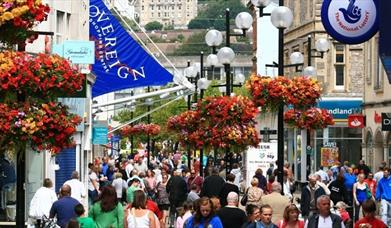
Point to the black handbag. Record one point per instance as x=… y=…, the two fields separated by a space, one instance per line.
x=244 y=199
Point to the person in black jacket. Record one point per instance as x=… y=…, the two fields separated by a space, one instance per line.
x=212 y=185
x=228 y=187
x=337 y=189
x=325 y=217
x=309 y=196
x=177 y=190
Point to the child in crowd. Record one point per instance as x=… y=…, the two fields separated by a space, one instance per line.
x=341 y=211
x=85 y=222
x=184 y=214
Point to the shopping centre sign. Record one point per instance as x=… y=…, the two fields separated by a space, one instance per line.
x=350 y=21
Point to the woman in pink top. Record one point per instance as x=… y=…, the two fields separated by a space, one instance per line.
x=151 y=183
x=187 y=213
x=291 y=218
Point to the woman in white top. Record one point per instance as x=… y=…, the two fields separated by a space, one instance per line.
x=93 y=184
x=138 y=216
x=42 y=201
x=120 y=185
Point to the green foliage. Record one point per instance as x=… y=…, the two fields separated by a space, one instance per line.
x=193 y=45
x=214 y=15
x=169 y=27
x=180 y=37
x=154 y=25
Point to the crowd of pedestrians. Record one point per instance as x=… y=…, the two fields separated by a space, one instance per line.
x=128 y=193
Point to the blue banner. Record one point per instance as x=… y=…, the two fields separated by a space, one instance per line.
x=120 y=62
x=385 y=37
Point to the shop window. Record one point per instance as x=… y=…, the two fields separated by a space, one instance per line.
x=339 y=66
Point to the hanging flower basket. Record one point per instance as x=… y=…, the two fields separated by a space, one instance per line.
x=189 y=128
x=140 y=129
x=313 y=118
x=18 y=17
x=43 y=75
x=219 y=122
x=270 y=93
x=303 y=92
x=47 y=126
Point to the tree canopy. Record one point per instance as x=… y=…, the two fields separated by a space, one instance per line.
x=214 y=15
x=154 y=25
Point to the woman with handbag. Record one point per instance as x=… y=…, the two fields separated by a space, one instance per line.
x=254 y=193
x=361 y=193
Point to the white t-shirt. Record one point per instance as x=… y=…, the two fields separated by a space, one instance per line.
x=92 y=177
x=129 y=168
x=77 y=189
x=42 y=202
x=119 y=184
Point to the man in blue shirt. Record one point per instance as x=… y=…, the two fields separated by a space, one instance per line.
x=383 y=194
x=64 y=208
x=350 y=179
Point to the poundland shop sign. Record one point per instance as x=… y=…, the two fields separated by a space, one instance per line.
x=341 y=108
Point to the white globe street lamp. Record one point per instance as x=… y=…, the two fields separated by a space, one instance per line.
x=296 y=58
x=190 y=72
x=212 y=60
x=243 y=21
x=203 y=83
x=282 y=17
x=213 y=38
x=225 y=55
x=309 y=71
x=322 y=45
x=240 y=78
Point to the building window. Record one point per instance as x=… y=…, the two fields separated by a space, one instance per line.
x=60 y=26
x=378 y=79
x=339 y=66
x=142 y=7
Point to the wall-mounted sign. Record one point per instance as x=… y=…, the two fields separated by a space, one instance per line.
x=99 y=135
x=341 y=107
x=350 y=21
x=356 y=121
x=77 y=51
x=386 y=121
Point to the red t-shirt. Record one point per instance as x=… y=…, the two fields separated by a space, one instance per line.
x=372 y=221
x=152 y=206
x=372 y=185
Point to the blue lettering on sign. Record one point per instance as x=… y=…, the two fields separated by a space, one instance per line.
x=352 y=14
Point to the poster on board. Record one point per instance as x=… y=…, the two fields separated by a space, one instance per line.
x=260 y=157
x=329 y=156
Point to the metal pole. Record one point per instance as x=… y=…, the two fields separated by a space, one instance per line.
x=188 y=108
x=308 y=136
x=280 y=120
x=201 y=96
x=227 y=32
x=227 y=78
x=148 y=136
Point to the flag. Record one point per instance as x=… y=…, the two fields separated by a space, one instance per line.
x=120 y=62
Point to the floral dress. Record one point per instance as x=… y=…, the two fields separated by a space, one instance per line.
x=162 y=196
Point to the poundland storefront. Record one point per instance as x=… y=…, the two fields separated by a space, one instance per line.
x=338 y=142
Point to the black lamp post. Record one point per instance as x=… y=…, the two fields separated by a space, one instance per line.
x=281 y=18
x=149 y=102
x=226 y=55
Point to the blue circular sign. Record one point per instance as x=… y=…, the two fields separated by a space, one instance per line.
x=350 y=21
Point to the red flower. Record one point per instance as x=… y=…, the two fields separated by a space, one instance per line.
x=312 y=118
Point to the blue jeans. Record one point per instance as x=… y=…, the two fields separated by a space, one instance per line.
x=92 y=195
x=385 y=212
